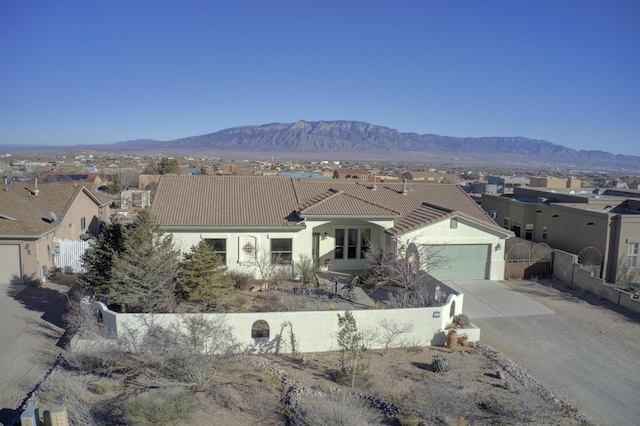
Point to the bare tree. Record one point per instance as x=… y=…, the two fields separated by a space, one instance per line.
x=625 y=273
x=403 y=264
x=406 y=266
x=127 y=178
x=391 y=333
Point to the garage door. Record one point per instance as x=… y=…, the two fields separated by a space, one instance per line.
x=462 y=262
x=10 y=264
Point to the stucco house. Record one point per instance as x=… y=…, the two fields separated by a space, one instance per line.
x=32 y=217
x=280 y=219
x=602 y=227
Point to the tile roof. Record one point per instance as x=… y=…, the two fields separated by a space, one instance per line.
x=33 y=212
x=225 y=201
x=239 y=201
x=337 y=203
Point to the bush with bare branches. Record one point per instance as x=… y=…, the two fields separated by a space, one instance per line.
x=338 y=410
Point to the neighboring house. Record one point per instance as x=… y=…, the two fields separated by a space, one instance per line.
x=356 y=174
x=90 y=180
x=32 y=217
x=427 y=176
x=506 y=184
x=253 y=221
x=554 y=182
x=575 y=221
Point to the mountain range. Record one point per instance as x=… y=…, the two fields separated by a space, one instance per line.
x=359 y=141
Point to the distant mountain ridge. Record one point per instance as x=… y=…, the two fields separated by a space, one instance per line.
x=354 y=140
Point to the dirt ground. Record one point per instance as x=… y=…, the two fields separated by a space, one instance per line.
x=246 y=392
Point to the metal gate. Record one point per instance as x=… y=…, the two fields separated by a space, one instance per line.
x=590 y=260
x=524 y=262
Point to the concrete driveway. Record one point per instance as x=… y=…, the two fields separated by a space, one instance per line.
x=491 y=299
x=585 y=350
x=31 y=329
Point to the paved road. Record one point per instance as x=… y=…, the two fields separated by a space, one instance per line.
x=30 y=330
x=587 y=351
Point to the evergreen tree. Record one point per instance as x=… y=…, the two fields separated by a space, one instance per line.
x=167 y=166
x=98 y=262
x=204 y=284
x=146 y=272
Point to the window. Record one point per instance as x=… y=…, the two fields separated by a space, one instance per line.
x=506 y=222
x=219 y=247
x=260 y=330
x=83 y=223
x=494 y=214
x=544 y=232
x=354 y=241
x=339 y=249
x=365 y=241
x=281 y=250
x=632 y=255
x=516 y=227
x=528 y=231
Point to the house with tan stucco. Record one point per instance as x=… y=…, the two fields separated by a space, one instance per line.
x=280 y=219
x=33 y=217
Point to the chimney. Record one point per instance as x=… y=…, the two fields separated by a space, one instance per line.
x=374 y=187
x=404 y=187
x=36 y=191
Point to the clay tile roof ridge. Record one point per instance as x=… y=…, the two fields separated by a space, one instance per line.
x=320 y=198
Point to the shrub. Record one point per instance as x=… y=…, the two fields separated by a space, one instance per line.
x=242 y=280
x=337 y=410
x=460 y=321
x=161 y=409
x=409 y=420
x=305 y=269
x=64 y=389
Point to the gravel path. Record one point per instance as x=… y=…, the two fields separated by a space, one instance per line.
x=587 y=352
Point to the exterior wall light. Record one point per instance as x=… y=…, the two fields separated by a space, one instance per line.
x=498 y=247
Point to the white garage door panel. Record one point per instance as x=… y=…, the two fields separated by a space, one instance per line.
x=10 y=264
x=462 y=261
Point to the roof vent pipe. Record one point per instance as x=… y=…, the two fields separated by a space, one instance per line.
x=36 y=191
x=6 y=184
x=374 y=187
x=404 y=187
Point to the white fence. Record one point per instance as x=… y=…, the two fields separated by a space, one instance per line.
x=68 y=255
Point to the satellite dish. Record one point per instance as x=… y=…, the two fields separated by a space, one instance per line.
x=53 y=216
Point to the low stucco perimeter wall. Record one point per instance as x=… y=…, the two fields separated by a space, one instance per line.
x=567 y=269
x=314 y=331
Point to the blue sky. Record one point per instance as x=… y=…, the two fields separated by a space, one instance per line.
x=75 y=72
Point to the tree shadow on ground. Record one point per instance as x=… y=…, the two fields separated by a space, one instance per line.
x=52 y=302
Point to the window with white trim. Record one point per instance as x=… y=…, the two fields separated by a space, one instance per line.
x=281 y=250
x=528 y=231
x=219 y=247
x=351 y=243
x=544 y=232
x=632 y=255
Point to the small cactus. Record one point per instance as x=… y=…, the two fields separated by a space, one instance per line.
x=440 y=364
